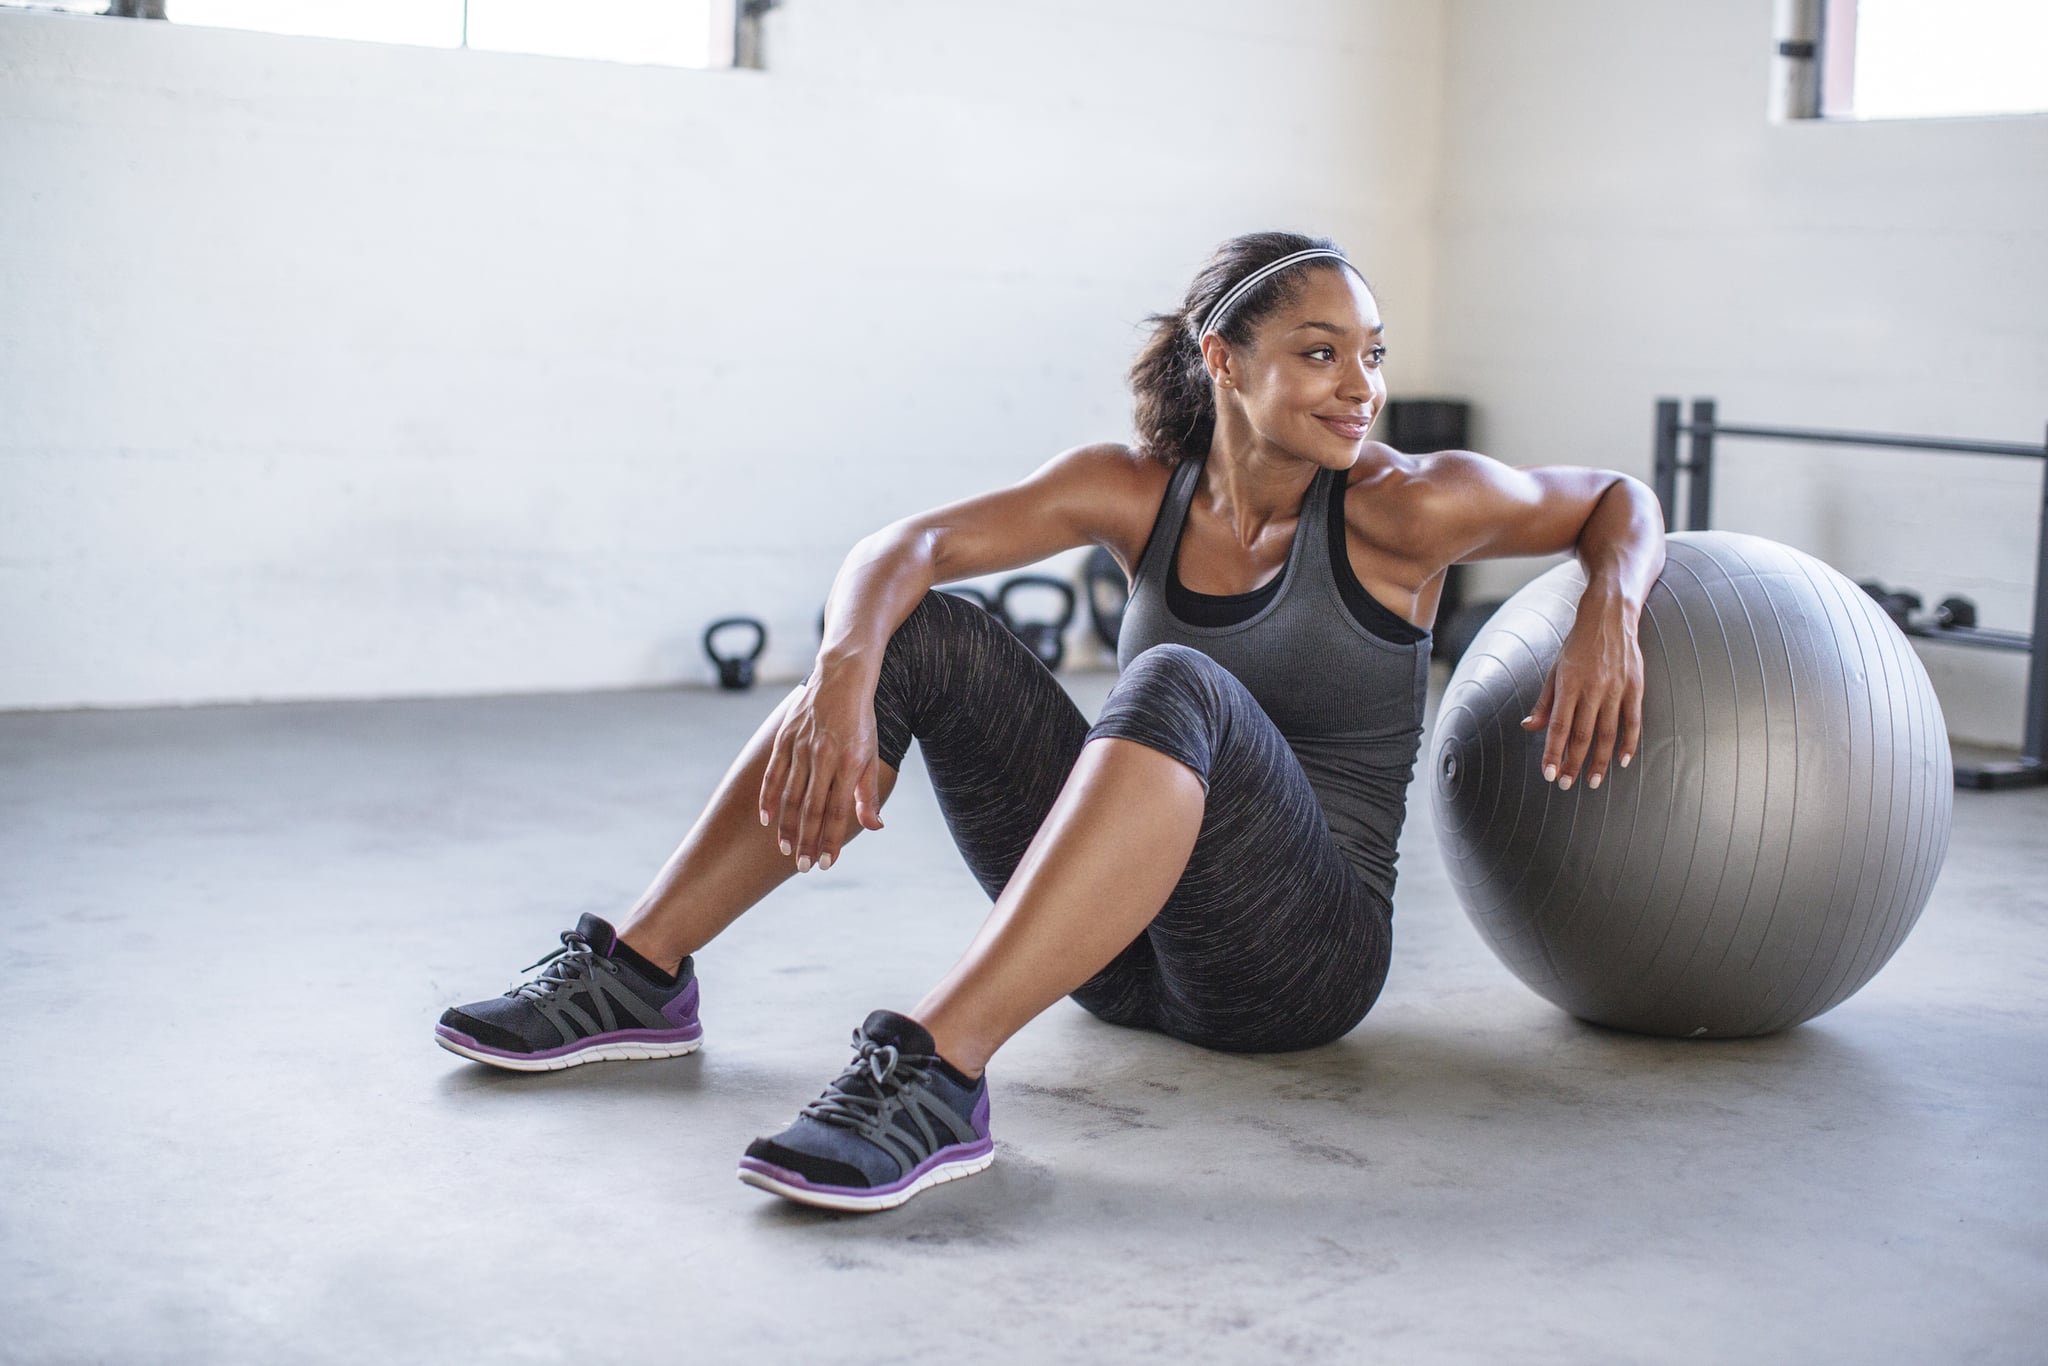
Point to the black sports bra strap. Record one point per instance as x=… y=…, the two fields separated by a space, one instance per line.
x=1368 y=611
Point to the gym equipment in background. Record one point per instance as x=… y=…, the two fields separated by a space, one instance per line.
x=1776 y=835
x=1045 y=637
x=736 y=671
x=1953 y=618
x=1899 y=604
x=1108 y=593
x=1688 y=445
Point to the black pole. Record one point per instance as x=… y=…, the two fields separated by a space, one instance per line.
x=1664 y=463
x=1699 y=493
x=1910 y=443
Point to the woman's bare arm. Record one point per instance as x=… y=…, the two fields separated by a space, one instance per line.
x=1089 y=495
x=1591 y=704
x=822 y=774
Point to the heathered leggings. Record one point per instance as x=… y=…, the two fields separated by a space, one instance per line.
x=1269 y=942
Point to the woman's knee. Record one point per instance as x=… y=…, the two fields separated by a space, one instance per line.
x=915 y=656
x=952 y=666
x=941 y=628
x=1178 y=680
x=937 y=617
x=1171 y=667
x=1172 y=699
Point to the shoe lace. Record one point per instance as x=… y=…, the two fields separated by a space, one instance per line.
x=572 y=962
x=855 y=1098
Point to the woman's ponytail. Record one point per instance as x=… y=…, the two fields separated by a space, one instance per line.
x=1176 y=413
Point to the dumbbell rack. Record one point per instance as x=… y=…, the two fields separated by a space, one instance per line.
x=1685 y=444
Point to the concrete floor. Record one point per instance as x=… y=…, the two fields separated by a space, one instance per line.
x=228 y=1137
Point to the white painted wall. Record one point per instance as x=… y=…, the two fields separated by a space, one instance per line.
x=1620 y=220
x=333 y=369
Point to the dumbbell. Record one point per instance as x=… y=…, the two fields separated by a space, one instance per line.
x=1957 y=611
x=1898 y=603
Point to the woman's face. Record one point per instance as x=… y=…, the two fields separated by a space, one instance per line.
x=1310 y=383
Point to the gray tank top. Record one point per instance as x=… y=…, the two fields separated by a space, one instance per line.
x=1348 y=702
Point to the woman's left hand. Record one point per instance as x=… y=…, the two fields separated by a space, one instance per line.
x=1594 y=695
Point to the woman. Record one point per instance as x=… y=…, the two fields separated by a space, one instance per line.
x=1214 y=857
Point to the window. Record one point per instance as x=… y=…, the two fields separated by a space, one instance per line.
x=1902 y=59
x=700 y=33
x=421 y=23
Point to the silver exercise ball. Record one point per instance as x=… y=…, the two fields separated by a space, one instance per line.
x=1774 y=838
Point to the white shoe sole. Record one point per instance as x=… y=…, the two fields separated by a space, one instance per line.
x=627 y=1051
x=864 y=1204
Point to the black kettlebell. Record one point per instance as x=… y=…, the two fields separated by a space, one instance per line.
x=736 y=671
x=1109 y=593
x=1045 y=638
x=1955 y=612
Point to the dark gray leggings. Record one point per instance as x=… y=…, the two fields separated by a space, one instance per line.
x=1269 y=942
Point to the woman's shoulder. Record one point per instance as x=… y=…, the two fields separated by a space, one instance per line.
x=1438 y=472
x=1124 y=484
x=1110 y=470
x=1384 y=484
x=1396 y=500
x=1387 y=473
x=1116 y=460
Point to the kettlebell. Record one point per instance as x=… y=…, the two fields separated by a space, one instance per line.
x=736 y=671
x=1045 y=638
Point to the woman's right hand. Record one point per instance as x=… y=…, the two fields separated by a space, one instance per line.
x=823 y=771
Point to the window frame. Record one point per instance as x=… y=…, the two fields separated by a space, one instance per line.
x=735 y=30
x=1815 y=78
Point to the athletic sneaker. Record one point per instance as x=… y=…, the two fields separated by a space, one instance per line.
x=900 y=1119
x=597 y=1001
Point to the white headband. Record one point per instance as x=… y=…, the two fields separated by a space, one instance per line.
x=1251 y=282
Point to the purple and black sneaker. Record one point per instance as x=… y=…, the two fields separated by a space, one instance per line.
x=900 y=1119
x=596 y=1001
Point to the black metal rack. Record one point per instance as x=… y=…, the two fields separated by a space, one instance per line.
x=1686 y=445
